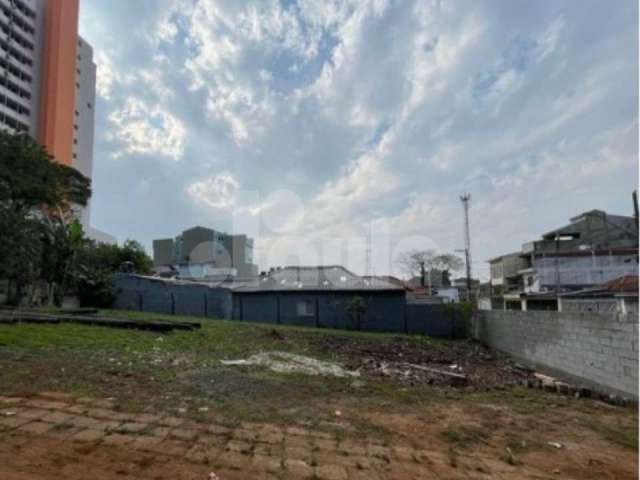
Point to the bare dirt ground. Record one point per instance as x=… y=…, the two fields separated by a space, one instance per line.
x=53 y=435
x=135 y=405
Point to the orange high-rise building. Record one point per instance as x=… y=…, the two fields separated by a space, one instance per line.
x=58 y=78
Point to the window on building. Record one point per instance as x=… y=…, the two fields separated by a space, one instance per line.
x=306 y=308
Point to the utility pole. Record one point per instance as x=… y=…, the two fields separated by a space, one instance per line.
x=465 y=199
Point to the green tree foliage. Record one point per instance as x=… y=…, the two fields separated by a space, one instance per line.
x=38 y=234
x=97 y=262
x=37 y=238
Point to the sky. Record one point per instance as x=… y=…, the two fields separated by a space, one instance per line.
x=340 y=131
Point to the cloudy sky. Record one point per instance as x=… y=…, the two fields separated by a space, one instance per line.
x=310 y=123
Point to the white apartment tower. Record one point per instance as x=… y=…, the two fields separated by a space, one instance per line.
x=48 y=82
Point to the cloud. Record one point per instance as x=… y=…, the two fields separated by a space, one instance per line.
x=216 y=192
x=143 y=129
x=343 y=114
x=105 y=74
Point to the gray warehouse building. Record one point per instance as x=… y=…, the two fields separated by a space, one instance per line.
x=320 y=297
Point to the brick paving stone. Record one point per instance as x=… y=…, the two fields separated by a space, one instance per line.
x=379 y=451
x=239 y=446
x=161 y=432
x=264 y=463
x=213 y=453
x=197 y=454
x=184 y=433
x=118 y=439
x=88 y=435
x=297 y=441
x=324 y=444
x=10 y=411
x=56 y=417
x=9 y=423
x=170 y=421
x=270 y=437
x=101 y=403
x=172 y=447
x=63 y=431
x=32 y=413
x=36 y=428
x=219 y=430
x=331 y=472
x=298 y=468
x=84 y=422
x=107 y=425
x=11 y=400
x=47 y=404
x=77 y=409
x=85 y=400
x=132 y=427
x=146 y=442
x=56 y=396
x=352 y=448
x=404 y=454
x=301 y=432
x=246 y=435
x=298 y=453
x=371 y=475
x=322 y=435
x=268 y=449
x=146 y=418
x=233 y=460
x=102 y=413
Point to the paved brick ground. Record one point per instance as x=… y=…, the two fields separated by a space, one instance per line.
x=259 y=450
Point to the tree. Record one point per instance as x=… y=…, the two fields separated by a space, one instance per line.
x=411 y=261
x=135 y=253
x=447 y=262
x=356 y=308
x=97 y=263
x=37 y=196
x=62 y=239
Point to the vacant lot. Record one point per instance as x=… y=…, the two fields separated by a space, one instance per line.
x=244 y=401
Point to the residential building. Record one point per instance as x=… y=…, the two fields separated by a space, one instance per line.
x=201 y=252
x=47 y=83
x=593 y=249
x=617 y=296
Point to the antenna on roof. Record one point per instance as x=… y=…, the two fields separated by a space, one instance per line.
x=367 y=253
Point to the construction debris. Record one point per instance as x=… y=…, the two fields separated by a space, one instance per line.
x=284 y=362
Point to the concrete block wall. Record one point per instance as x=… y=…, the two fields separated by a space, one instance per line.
x=594 y=349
